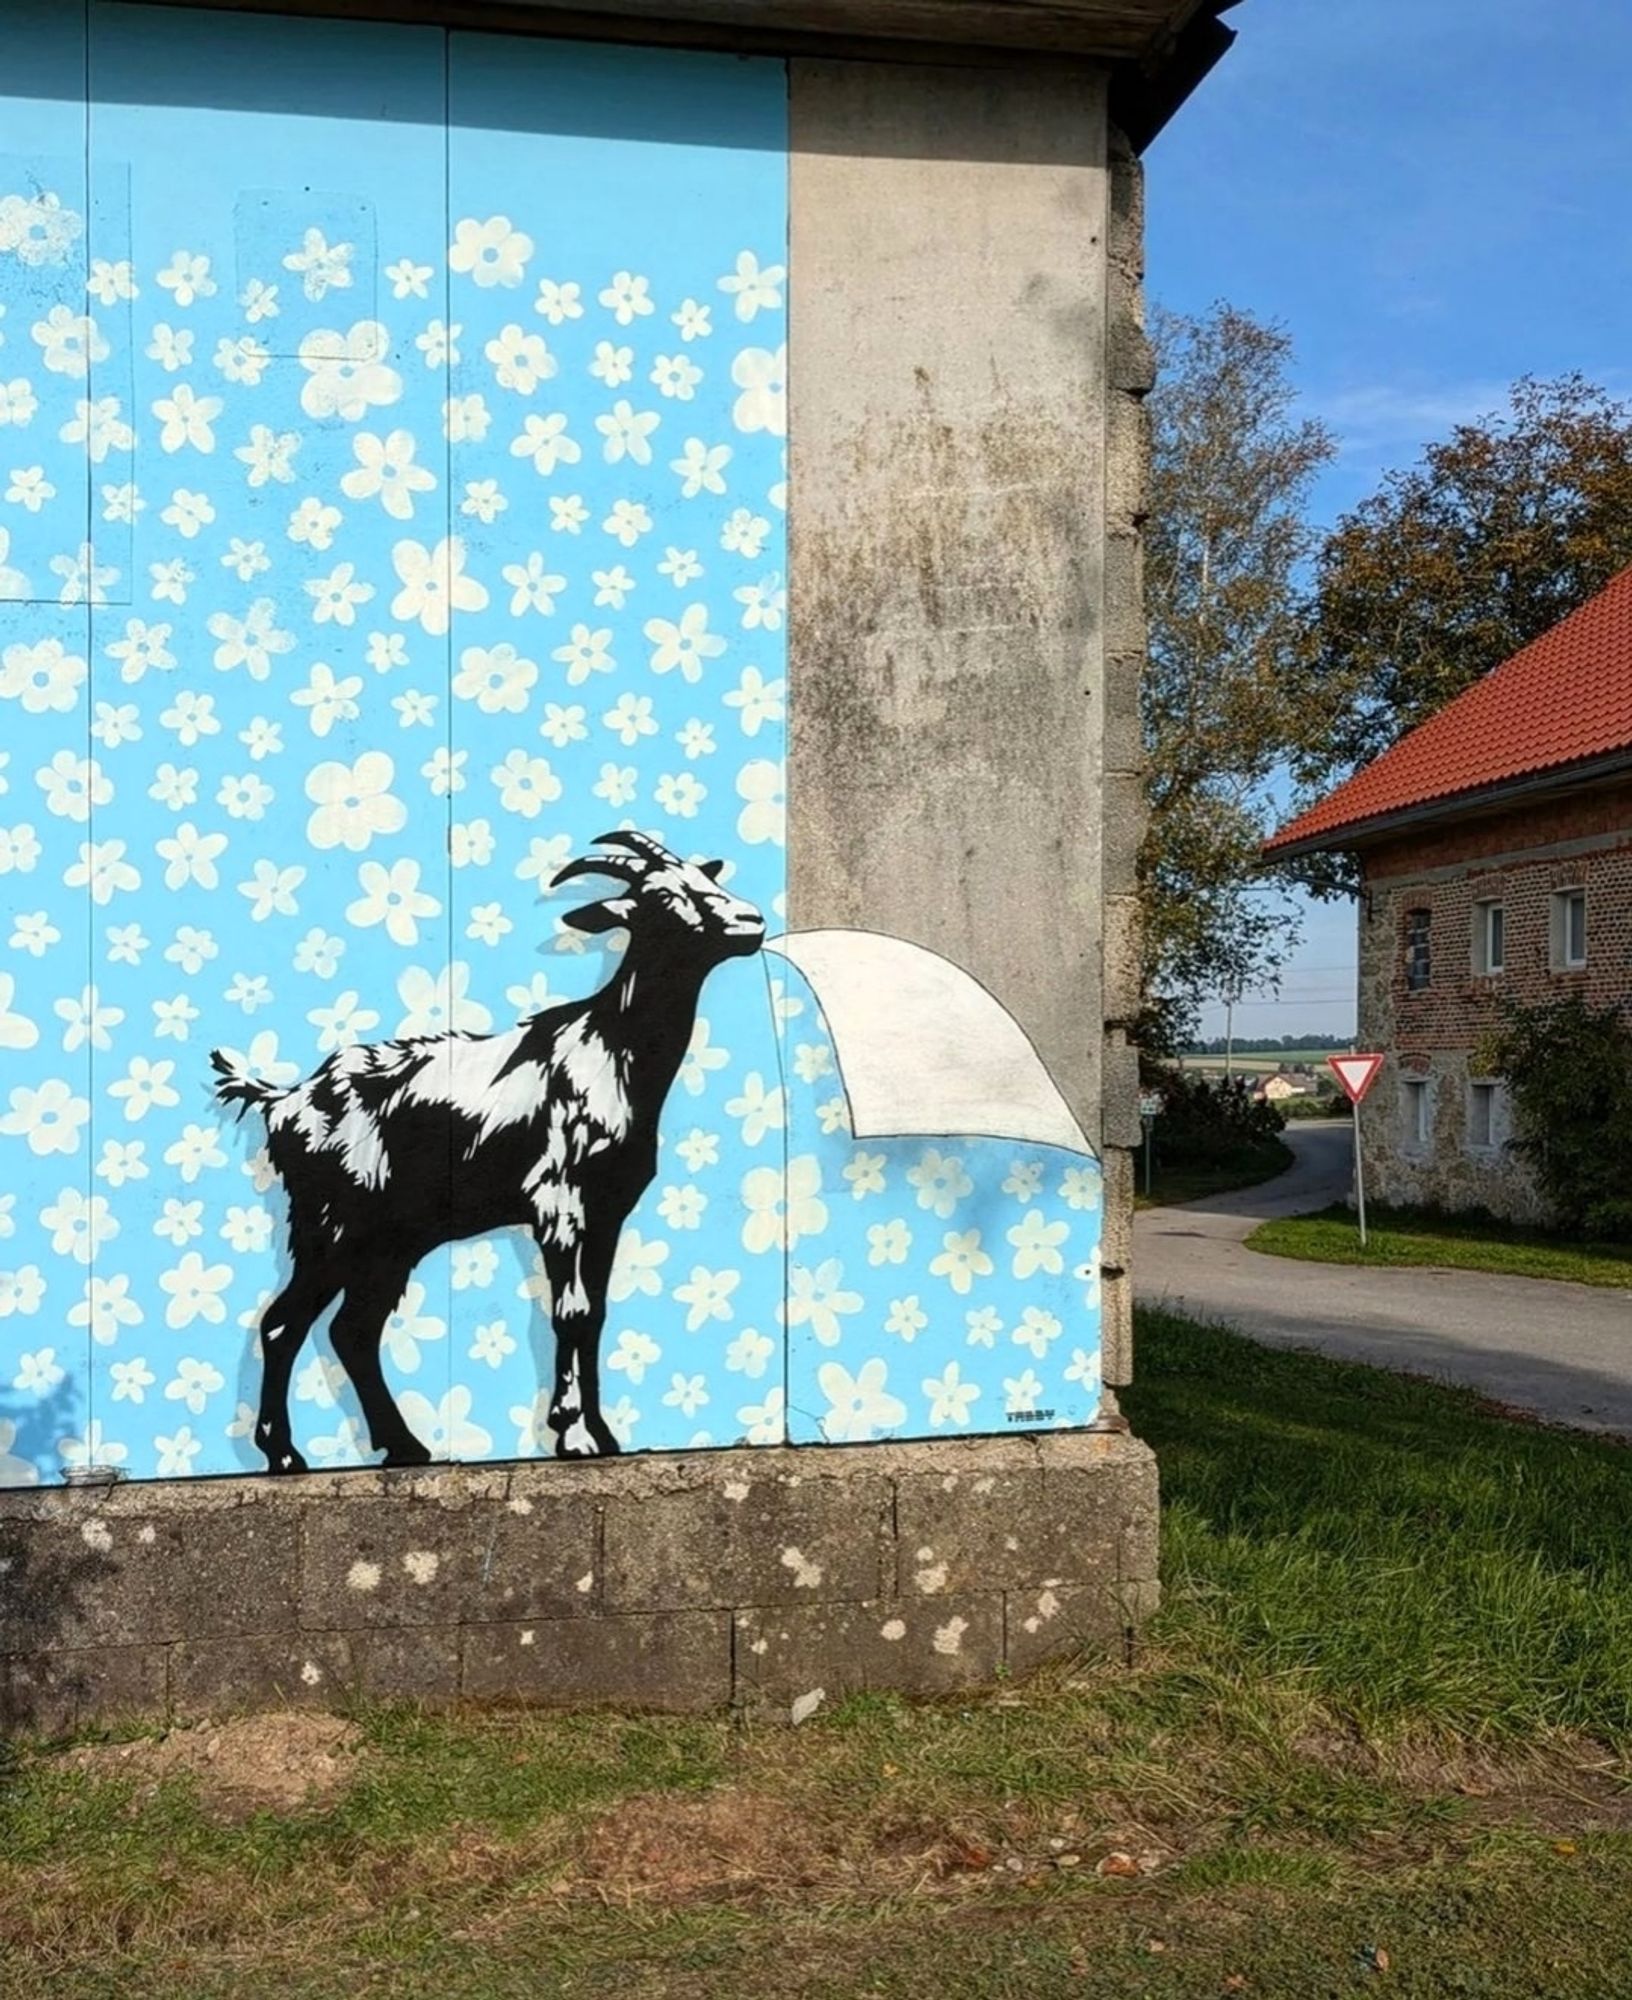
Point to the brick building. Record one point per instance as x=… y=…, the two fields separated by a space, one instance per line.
x=1495 y=852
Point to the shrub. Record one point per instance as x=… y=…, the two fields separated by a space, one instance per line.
x=1568 y=1067
x=1205 y=1120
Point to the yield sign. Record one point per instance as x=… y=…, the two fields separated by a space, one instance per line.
x=1355 y=1073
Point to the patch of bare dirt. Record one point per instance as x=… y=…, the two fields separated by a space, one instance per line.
x=685 y=1846
x=279 y=1761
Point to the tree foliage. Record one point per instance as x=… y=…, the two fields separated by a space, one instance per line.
x=1568 y=1067
x=1231 y=472
x=1455 y=564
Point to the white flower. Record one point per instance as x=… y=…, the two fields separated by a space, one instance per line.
x=521 y=360
x=490 y=252
x=271 y=890
x=18 y=403
x=22 y=1291
x=439 y=344
x=906 y=1318
x=859 y=1405
x=763 y=604
x=761 y=374
x=627 y=298
x=392 y=897
x=562 y=726
x=353 y=802
x=186 y=419
x=195 y=1290
x=1021 y=1392
x=754 y=288
x=250 y=642
x=190 y=856
x=409 y=280
x=1036 y=1330
x=43 y=677
x=259 y=301
x=145 y=1085
x=335 y=597
x=88 y=1019
x=100 y=428
x=321 y=266
x=131 y=1379
x=496 y=678
x=950 y=1398
x=188 y=512
x=410 y=1326
x=783 y=1207
x=313 y=522
x=434 y=584
x=685 y=645
x=492 y=1343
x=533 y=587
x=483 y=500
x=70 y=342
x=1036 y=1243
x=110 y=282
x=1082 y=1188
x=630 y=717
x=347 y=373
x=465 y=419
x=888 y=1242
x=706 y=1295
x=749 y=1353
x=694 y=321
x=961 y=1260
x=49 y=1118
x=386 y=469
x=626 y=431
x=680 y=566
x=28 y=487
x=187 y=277
x=633 y=1354
x=558 y=302
x=679 y=793
x=701 y=468
x=446 y=1427
x=627 y=522
x=194 y=1382
x=637 y=1268
x=673 y=375
x=17 y=1031
x=760 y=1110
x=103 y=869
x=526 y=784
x=343 y=1023
x=92 y=1449
x=439 y=1003
x=816 y=1298
x=269 y=454
x=940 y=1180
x=244 y=360
x=72 y=785
x=764 y=814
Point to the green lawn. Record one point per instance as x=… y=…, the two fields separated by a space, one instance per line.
x=1450 y=1242
x=1187 y=1180
x=1376 y=1741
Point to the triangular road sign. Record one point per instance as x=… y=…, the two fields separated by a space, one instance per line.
x=1355 y=1073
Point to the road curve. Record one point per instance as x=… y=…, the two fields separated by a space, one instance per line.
x=1562 y=1352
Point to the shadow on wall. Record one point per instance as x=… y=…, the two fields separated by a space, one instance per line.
x=47 y=1576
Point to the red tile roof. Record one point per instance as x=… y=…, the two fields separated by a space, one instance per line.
x=1565 y=699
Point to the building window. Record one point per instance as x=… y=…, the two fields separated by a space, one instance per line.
x=1569 y=930
x=1489 y=937
x=1414 y=1103
x=1482 y=1115
x=1418 y=951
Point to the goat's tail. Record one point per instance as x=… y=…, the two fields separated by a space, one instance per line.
x=237 y=1086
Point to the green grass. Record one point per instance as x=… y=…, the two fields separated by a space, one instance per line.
x=1387 y=1707
x=1187 y=1180
x=1447 y=1242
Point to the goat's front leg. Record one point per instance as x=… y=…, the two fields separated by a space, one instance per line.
x=372 y=1292
x=284 y=1327
x=578 y=1277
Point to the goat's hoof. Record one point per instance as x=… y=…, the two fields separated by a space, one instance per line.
x=284 y=1461
x=409 y=1452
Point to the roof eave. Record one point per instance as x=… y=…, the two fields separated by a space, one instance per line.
x=1355 y=835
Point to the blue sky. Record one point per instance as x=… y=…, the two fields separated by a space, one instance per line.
x=1431 y=196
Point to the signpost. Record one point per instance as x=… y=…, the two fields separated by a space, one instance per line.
x=1150 y=1109
x=1356 y=1074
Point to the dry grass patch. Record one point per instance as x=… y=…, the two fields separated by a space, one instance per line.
x=277 y=1762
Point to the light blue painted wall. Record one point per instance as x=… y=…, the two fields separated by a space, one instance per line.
x=299 y=318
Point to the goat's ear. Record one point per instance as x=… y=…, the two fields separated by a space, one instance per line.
x=713 y=869
x=607 y=916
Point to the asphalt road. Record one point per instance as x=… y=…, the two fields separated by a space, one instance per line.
x=1563 y=1352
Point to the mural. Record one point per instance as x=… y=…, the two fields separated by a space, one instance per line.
x=379 y=518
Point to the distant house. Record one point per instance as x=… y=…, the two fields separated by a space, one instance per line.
x=1495 y=850
x=1282 y=1085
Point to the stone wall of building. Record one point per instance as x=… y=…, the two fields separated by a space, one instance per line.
x=683 y=1582
x=1522 y=859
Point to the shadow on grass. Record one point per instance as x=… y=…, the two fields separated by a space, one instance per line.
x=1390 y=1544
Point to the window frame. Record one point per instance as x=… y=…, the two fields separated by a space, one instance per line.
x=1483 y=1090
x=1418 y=1106
x=1417 y=954
x=1565 y=902
x=1489 y=925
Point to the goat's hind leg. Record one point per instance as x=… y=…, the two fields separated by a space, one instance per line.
x=372 y=1292
x=578 y=1278
x=284 y=1327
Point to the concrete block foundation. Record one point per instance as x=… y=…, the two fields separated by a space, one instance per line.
x=683 y=1583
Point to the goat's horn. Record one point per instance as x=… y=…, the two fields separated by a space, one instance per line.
x=637 y=843
x=622 y=866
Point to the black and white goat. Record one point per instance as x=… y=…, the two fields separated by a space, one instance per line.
x=392 y=1148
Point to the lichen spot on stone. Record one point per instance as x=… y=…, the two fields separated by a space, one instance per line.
x=926 y=1555
x=932 y=1579
x=806 y=1574
x=950 y=1483
x=1031 y=1624
x=363 y=1576
x=893 y=1629
x=736 y=1489
x=949 y=1637
x=526 y=1638
x=759 y=1646
x=985 y=1483
x=421 y=1564
x=311 y=1673
x=96 y=1535
x=586 y=1583
x=1012 y=1544
x=1048 y=1605
x=521 y=1505
x=147 y=1532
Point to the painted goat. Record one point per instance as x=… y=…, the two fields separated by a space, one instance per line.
x=392 y=1148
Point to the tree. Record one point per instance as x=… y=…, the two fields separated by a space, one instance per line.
x=1455 y=564
x=1231 y=470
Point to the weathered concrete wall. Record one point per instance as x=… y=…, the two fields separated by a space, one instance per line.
x=686 y=1582
x=964 y=639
